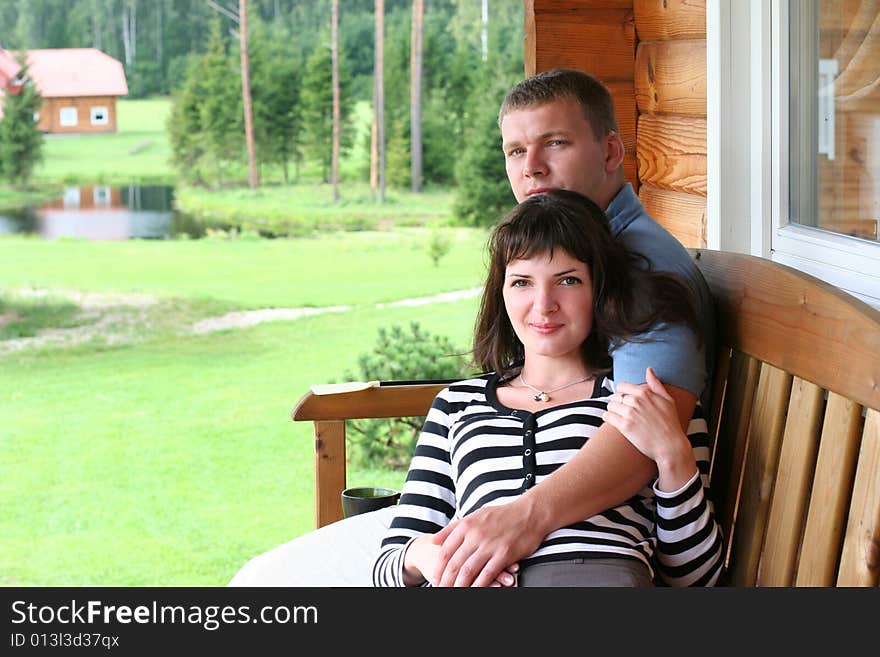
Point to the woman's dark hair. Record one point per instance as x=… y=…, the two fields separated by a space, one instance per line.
x=629 y=298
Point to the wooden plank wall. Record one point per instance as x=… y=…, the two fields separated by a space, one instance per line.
x=671 y=96
x=652 y=56
x=596 y=36
x=50 y=119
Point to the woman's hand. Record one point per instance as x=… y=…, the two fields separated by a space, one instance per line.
x=646 y=415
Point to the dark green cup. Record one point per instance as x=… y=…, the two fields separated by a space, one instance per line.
x=367 y=498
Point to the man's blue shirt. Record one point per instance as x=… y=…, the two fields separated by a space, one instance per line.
x=673 y=351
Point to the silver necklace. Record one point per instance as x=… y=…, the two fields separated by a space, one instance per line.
x=544 y=395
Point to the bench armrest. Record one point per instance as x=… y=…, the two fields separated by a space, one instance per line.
x=329 y=410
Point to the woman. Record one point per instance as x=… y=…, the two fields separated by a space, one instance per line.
x=559 y=293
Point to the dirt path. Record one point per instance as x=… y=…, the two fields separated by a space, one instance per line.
x=119 y=316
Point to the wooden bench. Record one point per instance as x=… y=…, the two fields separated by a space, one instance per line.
x=795 y=415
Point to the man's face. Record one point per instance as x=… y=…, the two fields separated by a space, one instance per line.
x=552 y=146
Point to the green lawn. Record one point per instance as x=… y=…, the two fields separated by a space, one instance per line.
x=303 y=208
x=171 y=461
x=137 y=152
x=339 y=268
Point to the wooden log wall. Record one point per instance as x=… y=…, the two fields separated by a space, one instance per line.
x=671 y=96
x=50 y=118
x=596 y=36
x=652 y=56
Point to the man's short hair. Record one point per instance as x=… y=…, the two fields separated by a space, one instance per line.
x=565 y=84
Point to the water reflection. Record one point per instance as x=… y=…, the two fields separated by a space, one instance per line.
x=104 y=213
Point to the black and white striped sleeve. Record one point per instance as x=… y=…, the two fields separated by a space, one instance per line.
x=689 y=545
x=427 y=503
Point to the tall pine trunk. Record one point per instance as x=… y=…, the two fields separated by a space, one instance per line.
x=377 y=150
x=415 y=90
x=334 y=55
x=129 y=32
x=253 y=178
x=484 y=29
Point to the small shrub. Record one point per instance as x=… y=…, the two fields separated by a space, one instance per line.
x=439 y=245
x=399 y=355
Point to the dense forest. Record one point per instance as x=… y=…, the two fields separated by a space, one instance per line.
x=471 y=52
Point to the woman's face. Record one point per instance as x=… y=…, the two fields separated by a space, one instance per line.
x=550 y=303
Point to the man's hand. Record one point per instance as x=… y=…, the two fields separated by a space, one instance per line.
x=421 y=558
x=605 y=472
x=477 y=549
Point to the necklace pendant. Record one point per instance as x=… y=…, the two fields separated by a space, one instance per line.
x=542 y=397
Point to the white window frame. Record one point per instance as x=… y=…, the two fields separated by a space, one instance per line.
x=71 y=197
x=103 y=110
x=69 y=111
x=102 y=197
x=747 y=158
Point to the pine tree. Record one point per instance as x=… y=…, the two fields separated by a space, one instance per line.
x=185 y=126
x=483 y=194
x=317 y=107
x=276 y=88
x=21 y=143
x=222 y=114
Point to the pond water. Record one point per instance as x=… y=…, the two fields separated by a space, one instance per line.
x=104 y=213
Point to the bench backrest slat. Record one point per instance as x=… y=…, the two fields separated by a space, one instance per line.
x=860 y=561
x=831 y=491
x=759 y=471
x=729 y=453
x=797 y=460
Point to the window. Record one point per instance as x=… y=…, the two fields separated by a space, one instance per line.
x=100 y=116
x=830 y=207
x=71 y=197
x=101 y=197
x=68 y=117
x=834 y=119
x=793 y=126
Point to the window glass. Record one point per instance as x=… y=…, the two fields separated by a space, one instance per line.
x=834 y=117
x=71 y=197
x=99 y=116
x=101 y=197
x=68 y=116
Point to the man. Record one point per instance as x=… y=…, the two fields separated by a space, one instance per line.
x=559 y=131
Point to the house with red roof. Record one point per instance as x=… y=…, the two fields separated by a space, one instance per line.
x=79 y=87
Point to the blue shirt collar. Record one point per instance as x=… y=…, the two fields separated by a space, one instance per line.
x=624 y=209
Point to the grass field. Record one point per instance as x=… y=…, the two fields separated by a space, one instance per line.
x=171 y=459
x=304 y=208
x=339 y=268
x=138 y=152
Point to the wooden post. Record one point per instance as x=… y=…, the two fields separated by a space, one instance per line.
x=329 y=470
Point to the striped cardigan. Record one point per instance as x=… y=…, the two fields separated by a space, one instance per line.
x=473 y=451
